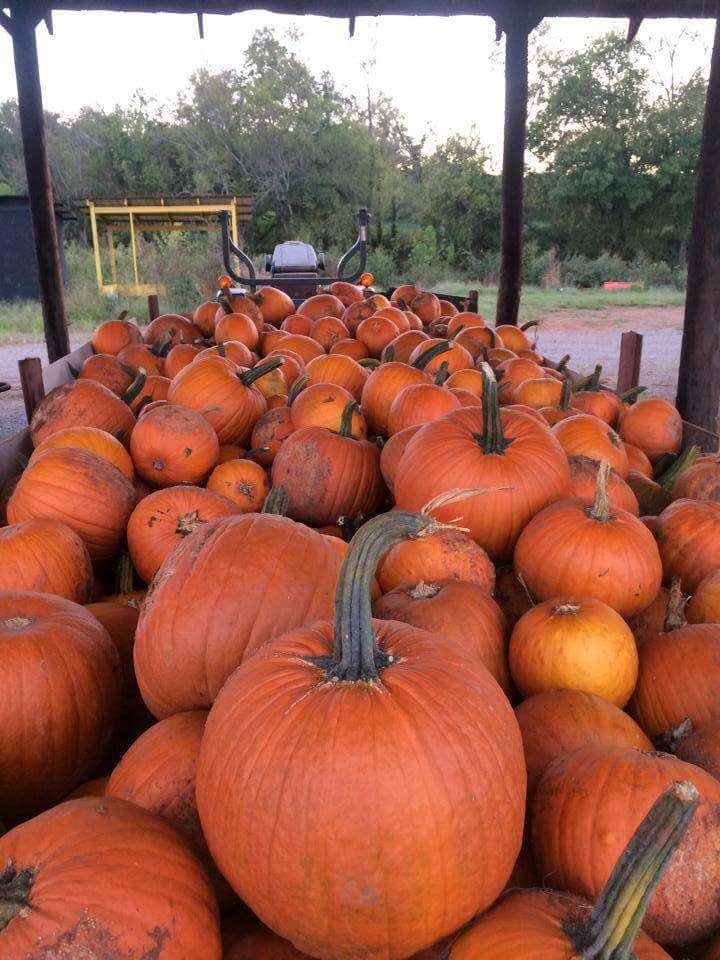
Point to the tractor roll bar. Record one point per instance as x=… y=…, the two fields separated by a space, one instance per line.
x=229 y=249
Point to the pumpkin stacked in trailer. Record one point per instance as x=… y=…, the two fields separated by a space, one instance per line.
x=356 y=627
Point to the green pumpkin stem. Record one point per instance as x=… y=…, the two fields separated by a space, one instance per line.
x=356 y=655
x=350 y=409
x=686 y=459
x=492 y=439
x=124 y=574
x=224 y=301
x=594 y=385
x=529 y=325
x=441 y=374
x=562 y=363
x=601 y=508
x=297 y=388
x=135 y=388
x=565 y=394
x=610 y=931
x=388 y=354
x=15 y=887
x=249 y=377
x=370 y=362
x=631 y=395
x=430 y=353
x=276 y=502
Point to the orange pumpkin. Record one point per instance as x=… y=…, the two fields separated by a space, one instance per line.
x=515 y=338
x=243 y=482
x=588 y=804
x=400 y=349
x=269 y=433
x=583 y=484
x=233 y=350
x=322 y=305
x=472 y=838
x=274 y=304
x=588 y=436
x=82 y=403
x=688 y=537
x=701 y=481
x=419 y=403
x=350 y=348
x=461 y=612
x=596 y=551
x=132 y=886
x=447 y=555
x=376 y=333
x=45 y=556
x=343 y=371
x=296 y=323
x=305 y=347
x=454 y=356
x=574 y=643
x=108 y=371
x=96 y=441
x=704 y=604
x=327 y=475
x=538 y=392
x=655 y=426
x=173 y=444
x=512 y=595
x=600 y=403
x=139 y=356
x=163 y=519
x=392 y=452
x=171 y=329
x=702 y=747
x=80 y=489
x=179 y=357
x=557 y=722
x=427 y=307
x=61 y=692
x=111 y=336
x=347 y=293
x=638 y=461
x=204 y=317
x=516 y=463
x=328 y=331
x=322 y=405
x=146 y=390
x=196 y=626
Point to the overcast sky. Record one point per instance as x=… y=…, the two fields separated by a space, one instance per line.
x=445 y=74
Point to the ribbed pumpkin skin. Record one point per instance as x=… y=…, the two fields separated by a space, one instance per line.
x=45 y=556
x=163 y=519
x=81 y=403
x=532 y=924
x=243 y=482
x=327 y=476
x=453 y=807
x=392 y=452
x=598 y=403
x=564 y=550
x=704 y=604
x=83 y=491
x=583 y=480
x=462 y=613
x=447 y=555
x=335 y=368
x=381 y=388
x=322 y=405
x=196 y=625
x=446 y=456
x=651 y=621
x=588 y=436
x=420 y=403
x=654 y=426
x=107 y=370
x=560 y=721
x=588 y=804
x=575 y=643
x=679 y=677
x=172 y=326
x=211 y=386
x=60 y=678
x=688 y=537
x=99 y=442
x=110 y=880
x=702 y=747
x=112 y=335
x=271 y=431
x=701 y=481
x=173 y=444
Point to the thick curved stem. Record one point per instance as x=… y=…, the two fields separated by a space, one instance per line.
x=675 y=613
x=356 y=655
x=601 y=509
x=135 y=388
x=492 y=439
x=276 y=502
x=297 y=388
x=249 y=377
x=565 y=394
x=351 y=408
x=124 y=574
x=612 y=928
x=15 y=887
x=430 y=353
x=683 y=462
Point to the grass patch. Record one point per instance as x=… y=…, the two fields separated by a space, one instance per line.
x=536 y=302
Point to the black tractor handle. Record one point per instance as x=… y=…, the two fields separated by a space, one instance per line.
x=229 y=249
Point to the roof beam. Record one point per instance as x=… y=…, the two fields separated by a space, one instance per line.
x=633 y=27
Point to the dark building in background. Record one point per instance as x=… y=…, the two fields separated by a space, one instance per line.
x=18 y=264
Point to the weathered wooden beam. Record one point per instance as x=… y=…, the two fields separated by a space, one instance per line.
x=153 y=307
x=31 y=382
x=633 y=27
x=513 y=170
x=37 y=169
x=629 y=363
x=698 y=396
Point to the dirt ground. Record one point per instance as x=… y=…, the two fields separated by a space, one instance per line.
x=589 y=336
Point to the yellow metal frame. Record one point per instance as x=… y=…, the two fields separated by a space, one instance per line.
x=194 y=215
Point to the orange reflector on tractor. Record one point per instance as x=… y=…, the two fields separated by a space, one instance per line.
x=367 y=280
x=224 y=283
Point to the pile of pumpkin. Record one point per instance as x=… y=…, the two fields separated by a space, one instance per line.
x=356 y=631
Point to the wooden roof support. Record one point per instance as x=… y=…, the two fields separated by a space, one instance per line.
x=25 y=17
x=698 y=394
x=517 y=29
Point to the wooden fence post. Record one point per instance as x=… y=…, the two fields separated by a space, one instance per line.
x=153 y=307
x=629 y=364
x=31 y=381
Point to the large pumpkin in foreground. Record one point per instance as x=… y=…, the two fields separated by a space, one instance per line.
x=336 y=791
x=223 y=592
x=60 y=680
x=102 y=878
x=509 y=455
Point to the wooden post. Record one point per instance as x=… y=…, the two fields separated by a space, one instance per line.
x=629 y=363
x=698 y=393
x=153 y=307
x=31 y=381
x=25 y=17
x=513 y=172
x=473 y=301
